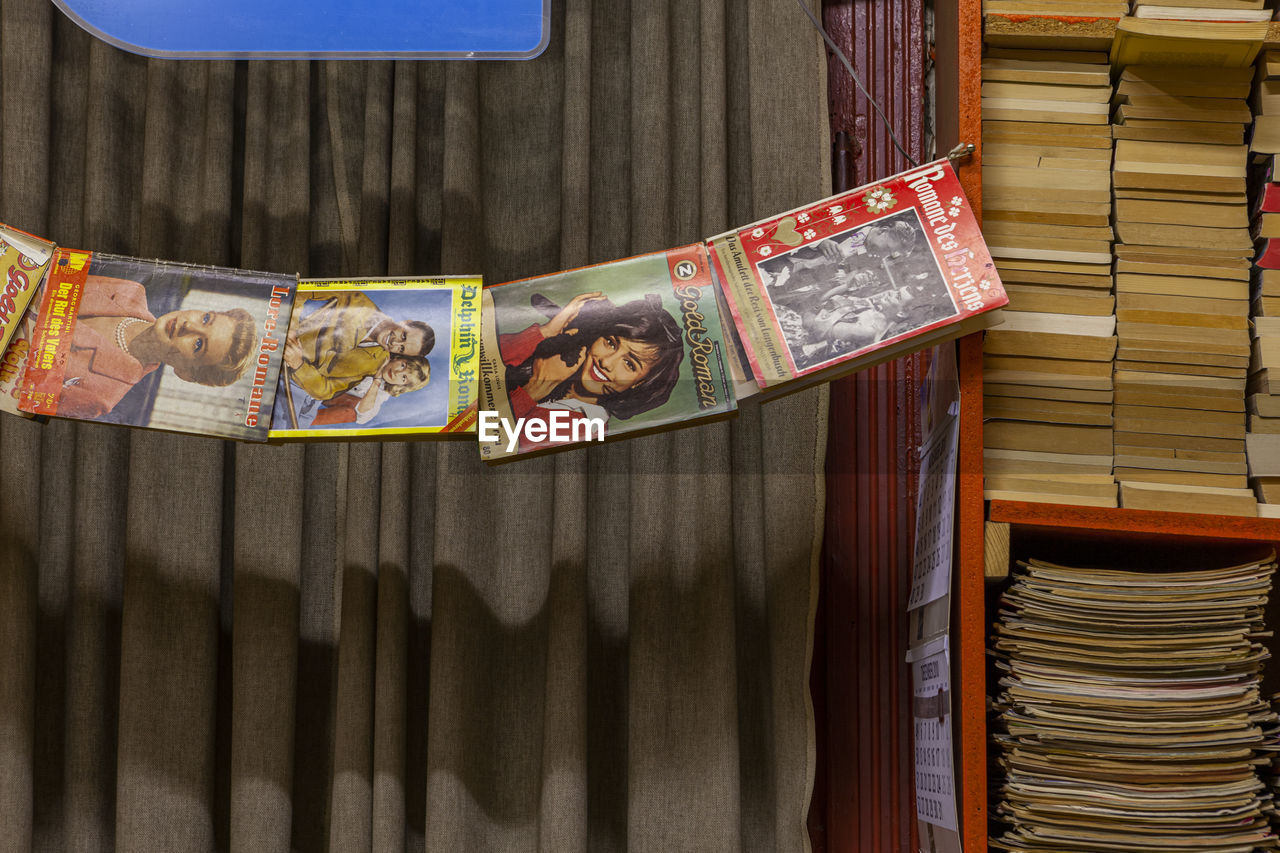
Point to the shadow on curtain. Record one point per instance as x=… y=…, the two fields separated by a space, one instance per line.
x=349 y=647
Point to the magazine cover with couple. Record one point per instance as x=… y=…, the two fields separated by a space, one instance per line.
x=380 y=357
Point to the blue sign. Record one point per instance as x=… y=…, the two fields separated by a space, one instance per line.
x=357 y=29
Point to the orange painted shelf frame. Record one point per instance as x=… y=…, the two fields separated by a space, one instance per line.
x=1136 y=521
x=969 y=611
x=968 y=631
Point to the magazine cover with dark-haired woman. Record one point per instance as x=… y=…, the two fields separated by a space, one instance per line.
x=156 y=344
x=601 y=351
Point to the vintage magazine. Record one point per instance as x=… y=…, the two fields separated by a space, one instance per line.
x=744 y=382
x=25 y=260
x=14 y=362
x=380 y=357
x=155 y=344
x=859 y=278
x=630 y=345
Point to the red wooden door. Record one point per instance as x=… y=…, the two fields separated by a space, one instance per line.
x=863 y=793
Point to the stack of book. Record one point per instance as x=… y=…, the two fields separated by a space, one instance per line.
x=1263 y=439
x=1046 y=199
x=1265 y=139
x=1183 y=255
x=1131 y=716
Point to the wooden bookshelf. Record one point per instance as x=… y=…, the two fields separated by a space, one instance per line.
x=1085 y=527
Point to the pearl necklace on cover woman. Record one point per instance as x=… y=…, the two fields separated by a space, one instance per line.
x=121 y=326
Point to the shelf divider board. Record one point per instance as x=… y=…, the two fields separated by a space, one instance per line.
x=1136 y=521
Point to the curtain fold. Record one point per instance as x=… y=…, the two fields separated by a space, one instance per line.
x=390 y=646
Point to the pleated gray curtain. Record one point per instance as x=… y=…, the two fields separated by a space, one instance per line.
x=390 y=646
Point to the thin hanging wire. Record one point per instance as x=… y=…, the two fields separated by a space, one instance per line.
x=863 y=89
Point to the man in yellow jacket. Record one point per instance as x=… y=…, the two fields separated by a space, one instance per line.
x=346 y=339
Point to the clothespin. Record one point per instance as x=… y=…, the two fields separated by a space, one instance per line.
x=964 y=149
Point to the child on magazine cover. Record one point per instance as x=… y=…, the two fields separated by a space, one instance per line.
x=399 y=374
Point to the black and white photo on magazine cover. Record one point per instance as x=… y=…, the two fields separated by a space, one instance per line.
x=857 y=288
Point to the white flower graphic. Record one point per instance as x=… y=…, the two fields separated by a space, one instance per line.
x=804 y=217
x=879 y=200
x=765 y=251
x=839 y=219
x=835 y=208
x=809 y=234
x=984 y=284
x=953 y=211
x=758 y=233
x=956 y=201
